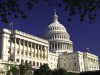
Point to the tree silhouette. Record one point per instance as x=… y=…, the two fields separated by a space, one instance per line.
x=84 y=8
x=44 y=70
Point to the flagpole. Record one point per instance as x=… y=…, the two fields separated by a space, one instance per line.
x=11 y=36
x=12 y=26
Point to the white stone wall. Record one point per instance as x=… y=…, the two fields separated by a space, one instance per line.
x=53 y=60
x=24 y=48
x=72 y=62
x=5 y=45
x=91 y=62
x=79 y=62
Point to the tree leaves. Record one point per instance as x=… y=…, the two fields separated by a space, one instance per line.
x=10 y=8
x=85 y=8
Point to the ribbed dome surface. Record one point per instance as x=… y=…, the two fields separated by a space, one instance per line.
x=58 y=37
x=56 y=26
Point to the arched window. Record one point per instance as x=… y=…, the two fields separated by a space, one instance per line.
x=30 y=62
x=26 y=62
x=22 y=61
x=17 y=60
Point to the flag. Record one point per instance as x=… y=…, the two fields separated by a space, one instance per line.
x=11 y=23
x=87 y=49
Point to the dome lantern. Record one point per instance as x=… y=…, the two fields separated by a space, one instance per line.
x=55 y=17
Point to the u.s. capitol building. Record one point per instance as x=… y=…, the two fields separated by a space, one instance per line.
x=56 y=49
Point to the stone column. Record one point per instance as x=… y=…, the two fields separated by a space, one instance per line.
x=24 y=47
x=20 y=47
x=57 y=45
x=47 y=52
x=65 y=45
x=27 y=49
x=41 y=52
x=15 y=51
x=44 y=52
x=38 y=51
x=34 y=49
x=15 y=45
x=54 y=45
x=31 y=50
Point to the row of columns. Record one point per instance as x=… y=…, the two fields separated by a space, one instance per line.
x=60 y=45
x=36 y=50
x=59 y=36
x=92 y=63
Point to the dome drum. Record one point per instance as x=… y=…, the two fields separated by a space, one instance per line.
x=58 y=37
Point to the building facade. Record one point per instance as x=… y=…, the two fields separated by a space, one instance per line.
x=78 y=61
x=56 y=49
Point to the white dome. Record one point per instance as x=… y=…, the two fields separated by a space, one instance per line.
x=56 y=26
x=58 y=37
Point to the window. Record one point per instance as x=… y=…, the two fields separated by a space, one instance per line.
x=64 y=65
x=40 y=64
x=36 y=46
x=21 y=42
x=39 y=47
x=25 y=43
x=74 y=58
x=32 y=45
x=26 y=62
x=74 y=64
x=36 y=55
x=22 y=52
x=33 y=63
x=25 y=53
x=17 y=60
x=37 y=63
x=8 y=51
x=30 y=62
x=29 y=44
x=17 y=41
x=29 y=53
x=17 y=51
x=22 y=61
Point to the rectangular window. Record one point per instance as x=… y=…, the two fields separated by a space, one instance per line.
x=17 y=51
x=74 y=64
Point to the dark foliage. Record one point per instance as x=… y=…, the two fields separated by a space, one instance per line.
x=22 y=69
x=82 y=7
x=26 y=69
x=62 y=72
x=44 y=70
x=91 y=73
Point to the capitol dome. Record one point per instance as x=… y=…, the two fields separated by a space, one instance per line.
x=56 y=26
x=58 y=37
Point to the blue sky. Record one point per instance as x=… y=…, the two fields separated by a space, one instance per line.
x=82 y=34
